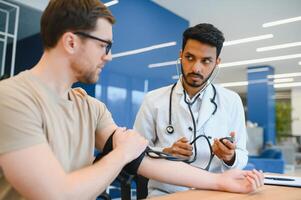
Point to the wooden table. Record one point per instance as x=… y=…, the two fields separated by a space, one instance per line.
x=267 y=192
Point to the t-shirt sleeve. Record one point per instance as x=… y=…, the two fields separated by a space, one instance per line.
x=103 y=115
x=20 y=121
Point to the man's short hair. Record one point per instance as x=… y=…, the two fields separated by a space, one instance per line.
x=62 y=16
x=205 y=33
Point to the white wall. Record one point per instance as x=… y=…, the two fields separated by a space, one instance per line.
x=296 y=111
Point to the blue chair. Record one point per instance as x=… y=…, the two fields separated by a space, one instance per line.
x=270 y=160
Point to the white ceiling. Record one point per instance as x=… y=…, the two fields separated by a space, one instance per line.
x=241 y=19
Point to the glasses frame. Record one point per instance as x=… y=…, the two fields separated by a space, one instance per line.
x=109 y=43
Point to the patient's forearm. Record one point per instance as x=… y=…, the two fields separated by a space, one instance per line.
x=92 y=180
x=178 y=173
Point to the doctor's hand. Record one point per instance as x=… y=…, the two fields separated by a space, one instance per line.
x=180 y=148
x=225 y=150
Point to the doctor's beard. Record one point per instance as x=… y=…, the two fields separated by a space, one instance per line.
x=193 y=83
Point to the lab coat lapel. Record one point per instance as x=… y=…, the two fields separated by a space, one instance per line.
x=207 y=107
x=179 y=91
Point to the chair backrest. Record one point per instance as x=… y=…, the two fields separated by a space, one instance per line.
x=141 y=183
x=271 y=153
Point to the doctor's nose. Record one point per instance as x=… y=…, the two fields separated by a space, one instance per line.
x=196 y=68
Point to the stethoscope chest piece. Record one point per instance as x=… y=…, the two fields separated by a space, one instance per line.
x=169 y=129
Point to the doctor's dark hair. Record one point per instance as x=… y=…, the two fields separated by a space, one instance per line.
x=205 y=33
x=61 y=16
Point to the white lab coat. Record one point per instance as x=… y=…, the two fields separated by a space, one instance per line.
x=153 y=116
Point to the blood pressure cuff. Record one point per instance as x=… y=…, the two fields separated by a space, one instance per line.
x=130 y=168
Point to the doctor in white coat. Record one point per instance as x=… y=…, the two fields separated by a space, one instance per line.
x=172 y=117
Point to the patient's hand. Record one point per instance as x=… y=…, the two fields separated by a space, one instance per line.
x=241 y=181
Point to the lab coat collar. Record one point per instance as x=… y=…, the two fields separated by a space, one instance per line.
x=179 y=88
x=207 y=107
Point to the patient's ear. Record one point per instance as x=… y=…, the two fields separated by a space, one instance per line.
x=70 y=42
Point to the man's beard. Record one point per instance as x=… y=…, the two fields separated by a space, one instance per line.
x=86 y=77
x=89 y=78
x=193 y=84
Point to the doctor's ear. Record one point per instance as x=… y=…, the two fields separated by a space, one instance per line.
x=180 y=53
x=179 y=60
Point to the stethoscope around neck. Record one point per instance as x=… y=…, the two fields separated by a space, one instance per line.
x=170 y=129
x=158 y=154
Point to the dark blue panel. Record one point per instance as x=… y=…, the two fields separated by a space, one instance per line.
x=261 y=102
x=89 y=88
x=28 y=53
x=139 y=89
x=117 y=98
x=142 y=23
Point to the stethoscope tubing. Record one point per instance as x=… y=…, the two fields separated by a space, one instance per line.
x=170 y=128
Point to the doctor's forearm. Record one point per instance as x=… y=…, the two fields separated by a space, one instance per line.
x=178 y=173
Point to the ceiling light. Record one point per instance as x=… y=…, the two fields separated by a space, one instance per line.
x=281 y=46
x=283 y=80
x=285 y=85
x=175 y=77
x=299 y=63
x=261 y=60
x=162 y=64
x=244 y=83
x=233 y=84
x=283 y=21
x=285 y=75
x=111 y=3
x=137 y=51
x=250 y=39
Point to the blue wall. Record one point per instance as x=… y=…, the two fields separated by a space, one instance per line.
x=261 y=101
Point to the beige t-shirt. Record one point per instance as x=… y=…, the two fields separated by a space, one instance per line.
x=31 y=113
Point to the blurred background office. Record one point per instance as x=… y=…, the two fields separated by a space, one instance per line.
x=261 y=60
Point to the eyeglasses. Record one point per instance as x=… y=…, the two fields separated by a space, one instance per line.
x=109 y=43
